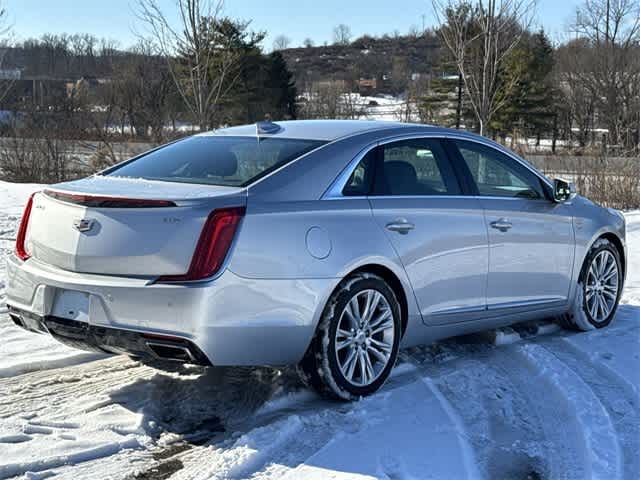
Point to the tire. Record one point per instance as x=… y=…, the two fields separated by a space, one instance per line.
x=595 y=285
x=347 y=364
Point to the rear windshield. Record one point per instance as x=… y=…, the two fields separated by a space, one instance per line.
x=214 y=160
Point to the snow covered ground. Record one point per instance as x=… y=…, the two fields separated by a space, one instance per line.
x=529 y=402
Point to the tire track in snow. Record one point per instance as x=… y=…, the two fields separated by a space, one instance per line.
x=467 y=452
x=98 y=409
x=118 y=398
x=621 y=402
x=317 y=437
x=246 y=454
x=599 y=436
x=66 y=417
x=56 y=391
x=520 y=431
x=511 y=424
x=285 y=440
x=9 y=470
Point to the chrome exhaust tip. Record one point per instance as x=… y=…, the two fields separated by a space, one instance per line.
x=168 y=351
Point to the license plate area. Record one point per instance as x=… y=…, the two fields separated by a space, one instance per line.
x=71 y=305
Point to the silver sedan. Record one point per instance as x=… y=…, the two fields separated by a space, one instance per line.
x=325 y=244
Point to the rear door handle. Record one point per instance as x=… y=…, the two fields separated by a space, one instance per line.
x=503 y=224
x=401 y=226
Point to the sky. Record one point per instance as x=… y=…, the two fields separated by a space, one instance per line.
x=299 y=19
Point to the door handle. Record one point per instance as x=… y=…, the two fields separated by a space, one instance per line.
x=503 y=224
x=401 y=226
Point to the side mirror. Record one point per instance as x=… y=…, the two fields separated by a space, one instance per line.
x=563 y=191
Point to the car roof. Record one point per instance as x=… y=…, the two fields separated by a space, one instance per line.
x=327 y=130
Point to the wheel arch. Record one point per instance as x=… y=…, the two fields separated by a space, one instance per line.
x=617 y=243
x=613 y=238
x=575 y=319
x=394 y=282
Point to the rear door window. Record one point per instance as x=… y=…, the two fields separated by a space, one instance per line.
x=216 y=160
x=415 y=168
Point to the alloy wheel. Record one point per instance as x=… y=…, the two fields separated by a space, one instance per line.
x=365 y=337
x=601 y=286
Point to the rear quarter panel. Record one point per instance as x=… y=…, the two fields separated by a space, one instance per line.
x=315 y=240
x=309 y=239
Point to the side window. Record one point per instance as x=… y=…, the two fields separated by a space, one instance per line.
x=359 y=183
x=497 y=175
x=415 y=167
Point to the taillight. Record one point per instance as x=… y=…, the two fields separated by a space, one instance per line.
x=213 y=245
x=21 y=250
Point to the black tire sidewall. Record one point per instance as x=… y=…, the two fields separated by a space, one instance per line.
x=583 y=280
x=328 y=348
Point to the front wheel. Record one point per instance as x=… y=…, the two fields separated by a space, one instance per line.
x=356 y=345
x=599 y=288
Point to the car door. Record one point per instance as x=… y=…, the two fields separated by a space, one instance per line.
x=531 y=238
x=438 y=233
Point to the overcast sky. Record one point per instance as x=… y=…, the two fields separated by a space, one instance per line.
x=298 y=19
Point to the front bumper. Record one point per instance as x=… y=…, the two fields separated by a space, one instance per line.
x=231 y=320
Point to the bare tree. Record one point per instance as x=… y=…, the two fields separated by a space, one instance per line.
x=5 y=42
x=578 y=100
x=342 y=34
x=608 y=66
x=479 y=35
x=308 y=42
x=352 y=106
x=201 y=62
x=332 y=99
x=142 y=90
x=281 y=42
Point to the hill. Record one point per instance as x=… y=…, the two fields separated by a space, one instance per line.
x=390 y=60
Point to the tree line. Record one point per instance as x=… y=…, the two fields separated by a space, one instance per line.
x=484 y=68
x=214 y=73
x=586 y=87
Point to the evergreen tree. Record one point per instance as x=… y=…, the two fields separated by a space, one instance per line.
x=527 y=95
x=282 y=87
x=265 y=88
x=439 y=105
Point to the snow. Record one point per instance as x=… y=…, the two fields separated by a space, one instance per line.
x=527 y=401
x=143 y=188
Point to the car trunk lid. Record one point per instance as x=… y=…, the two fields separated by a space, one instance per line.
x=119 y=226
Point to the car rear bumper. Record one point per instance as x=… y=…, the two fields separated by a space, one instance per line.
x=85 y=336
x=230 y=320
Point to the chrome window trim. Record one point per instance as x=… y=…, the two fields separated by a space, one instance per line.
x=437 y=197
x=334 y=192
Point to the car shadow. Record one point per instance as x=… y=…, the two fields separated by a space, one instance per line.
x=200 y=402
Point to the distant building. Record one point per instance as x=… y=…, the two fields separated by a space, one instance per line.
x=367 y=86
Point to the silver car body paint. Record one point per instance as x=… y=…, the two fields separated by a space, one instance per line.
x=298 y=240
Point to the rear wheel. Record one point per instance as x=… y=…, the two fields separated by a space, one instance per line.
x=599 y=289
x=356 y=345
